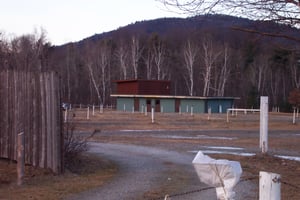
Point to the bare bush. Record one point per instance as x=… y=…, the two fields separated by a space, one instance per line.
x=74 y=146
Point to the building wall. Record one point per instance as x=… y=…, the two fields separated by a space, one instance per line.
x=198 y=105
x=167 y=105
x=173 y=105
x=125 y=104
x=219 y=105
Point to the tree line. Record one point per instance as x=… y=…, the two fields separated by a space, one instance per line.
x=210 y=61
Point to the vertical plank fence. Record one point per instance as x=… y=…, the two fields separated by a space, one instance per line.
x=30 y=103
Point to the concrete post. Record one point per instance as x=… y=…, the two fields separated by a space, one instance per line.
x=269 y=186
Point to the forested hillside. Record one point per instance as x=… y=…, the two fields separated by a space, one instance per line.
x=212 y=55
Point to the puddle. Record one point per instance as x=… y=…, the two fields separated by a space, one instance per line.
x=215 y=137
x=224 y=148
x=224 y=152
x=193 y=137
x=289 y=157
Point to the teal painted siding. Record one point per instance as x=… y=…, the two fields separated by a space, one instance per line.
x=197 y=104
x=142 y=104
x=167 y=105
x=125 y=104
x=219 y=105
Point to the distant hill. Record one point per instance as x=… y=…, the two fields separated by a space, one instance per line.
x=222 y=24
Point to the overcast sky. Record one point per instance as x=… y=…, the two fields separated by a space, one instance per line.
x=73 y=20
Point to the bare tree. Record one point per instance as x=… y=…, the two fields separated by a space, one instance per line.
x=158 y=54
x=283 y=11
x=210 y=56
x=98 y=64
x=122 y=56
x=295 y=70
x=136 y=53
x=258 y=72
x=190 y=53
x=225 y=70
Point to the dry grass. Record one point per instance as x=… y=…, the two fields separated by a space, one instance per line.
x=42 y=184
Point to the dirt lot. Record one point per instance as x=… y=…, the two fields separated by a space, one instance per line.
x=284 y=139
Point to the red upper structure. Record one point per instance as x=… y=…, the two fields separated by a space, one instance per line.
x=143 y=87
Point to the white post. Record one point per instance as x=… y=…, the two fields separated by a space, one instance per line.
x=152 y=115
x=66 y=115
x=124 y=107
x=227 y=116
x=101 y=108
x=93 y=109
x=220 y=109
x=264 y=106
x=187 y=108
x=162 y=109
x=269 y=186
x=88 y=113
x=209 y=113
x=146 y=110
x=132 y=109
x=142 y=110
x=294 y=116
x=192 y=110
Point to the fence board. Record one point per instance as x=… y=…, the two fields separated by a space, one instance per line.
x=30 y=103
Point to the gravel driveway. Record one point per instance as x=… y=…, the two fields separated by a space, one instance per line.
x=143 y=168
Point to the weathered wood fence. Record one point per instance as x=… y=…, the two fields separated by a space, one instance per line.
x=30 y=103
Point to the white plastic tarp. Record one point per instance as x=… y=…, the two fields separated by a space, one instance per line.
x=222 y=174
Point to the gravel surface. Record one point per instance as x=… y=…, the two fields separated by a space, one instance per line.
x=143 y=168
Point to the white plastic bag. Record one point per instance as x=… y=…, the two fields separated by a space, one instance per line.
x=221 y=174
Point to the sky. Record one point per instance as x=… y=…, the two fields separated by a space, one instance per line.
x=72 y=20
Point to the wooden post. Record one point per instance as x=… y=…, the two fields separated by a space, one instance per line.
x=21 y=158
x=66 y=115
x=264 y=108
x=269 y=186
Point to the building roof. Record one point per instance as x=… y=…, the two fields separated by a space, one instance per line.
x=171 y=97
